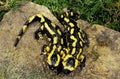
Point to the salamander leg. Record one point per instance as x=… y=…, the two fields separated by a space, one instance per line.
x=85 y=38
x=45 y=50
x=38 y=34
x=83 y=60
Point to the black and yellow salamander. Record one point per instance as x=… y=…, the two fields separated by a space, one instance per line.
x=64 y=51
x=76 y=39
x=73 y=16
x=54 y=35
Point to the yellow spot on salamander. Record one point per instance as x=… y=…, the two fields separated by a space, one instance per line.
x=61 y=16
x=59 y=32
x=62 y=53
x=61 y=41
x=76 y=63
x=72 y=31
x=73 y=51
x=71 y=24
x=18 y=37
x=49 y=29
x=65 y=26
x=81 y=43
x=68 y=28
x=59 y=48
x=31 y=19
x=53 y=25
x=66 y=57
x=58 y=60
x=55 y=40
x=50 y=55
x=24 y=28
x=71 y=13
x=80 y=51
x=66 y=19
x=74 y=39
x=66 y=13
x=49 y=39
x=42 y=27
x=81 y=31
x=79 y=34
x=47 y=49
x=41 y=17
x=81 y=58
x=40 y=35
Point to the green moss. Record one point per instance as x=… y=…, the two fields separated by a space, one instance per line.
x=103 y=12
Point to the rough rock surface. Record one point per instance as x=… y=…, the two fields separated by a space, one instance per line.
x=24 y=61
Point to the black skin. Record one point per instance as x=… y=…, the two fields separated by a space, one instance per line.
x=59 y=68
x=36 y=34
x=82 y=64
x=73 y=20
x=85 y=38
x=71 y=63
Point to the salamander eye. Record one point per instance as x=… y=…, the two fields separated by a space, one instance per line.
x=54 y=59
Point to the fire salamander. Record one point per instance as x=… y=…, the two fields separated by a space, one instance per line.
x=54 y=34
x=73 y=16
x=76 y=39
x=64 y=51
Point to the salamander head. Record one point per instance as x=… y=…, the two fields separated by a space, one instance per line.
x=69 y=64
x=71 y=15
x=53 y=60
x=74 y=15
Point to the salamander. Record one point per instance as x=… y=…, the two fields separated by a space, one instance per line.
x=54 y=35
x=76 y=39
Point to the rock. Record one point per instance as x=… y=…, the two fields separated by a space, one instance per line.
x=25 y=62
